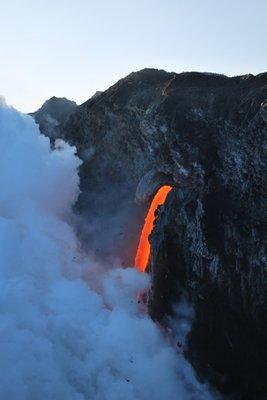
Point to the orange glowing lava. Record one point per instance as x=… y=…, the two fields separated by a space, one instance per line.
x=143 y=250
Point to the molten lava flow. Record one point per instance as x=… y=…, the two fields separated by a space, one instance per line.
x=143 y=251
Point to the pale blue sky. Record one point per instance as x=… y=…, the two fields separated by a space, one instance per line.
x=73 y=48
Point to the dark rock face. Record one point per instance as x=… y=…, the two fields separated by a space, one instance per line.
x=53 y=113
x=206 y=135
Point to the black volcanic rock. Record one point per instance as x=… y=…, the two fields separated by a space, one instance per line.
x=205 y=134
x=53 y=113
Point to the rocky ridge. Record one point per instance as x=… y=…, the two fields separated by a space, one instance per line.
x=53 y=113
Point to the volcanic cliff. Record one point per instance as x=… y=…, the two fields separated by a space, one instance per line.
x=204 y=134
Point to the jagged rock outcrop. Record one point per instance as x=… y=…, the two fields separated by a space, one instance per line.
x=206 y=135
x=53 y=113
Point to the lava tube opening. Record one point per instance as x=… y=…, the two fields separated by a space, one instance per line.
x=143 y=250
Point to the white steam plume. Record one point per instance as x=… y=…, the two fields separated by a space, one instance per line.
x=59 y=338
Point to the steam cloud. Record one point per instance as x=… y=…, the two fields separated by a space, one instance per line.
x=62 y=335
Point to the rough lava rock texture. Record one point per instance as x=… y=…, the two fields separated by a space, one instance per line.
x=53 y=113
x=205 y=134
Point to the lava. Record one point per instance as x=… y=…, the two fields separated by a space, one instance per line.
x=143 y=250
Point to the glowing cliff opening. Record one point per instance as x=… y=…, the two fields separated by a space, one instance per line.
x=143 y=250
